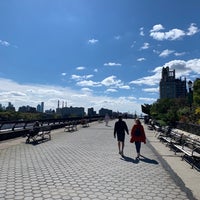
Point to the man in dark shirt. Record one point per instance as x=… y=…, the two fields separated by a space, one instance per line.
x=120 y=129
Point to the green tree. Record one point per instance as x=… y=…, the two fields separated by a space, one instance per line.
x=196 y=92
x=167 y=110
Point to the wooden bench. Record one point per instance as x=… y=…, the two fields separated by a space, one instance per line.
x=85 y=123
x=39 y=134
x=150 y=127
x=190 y=148
x=70 y=126
x=165 y=135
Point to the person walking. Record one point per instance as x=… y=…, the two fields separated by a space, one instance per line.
x=107 y=118
x=138 y=136
x=119 y=130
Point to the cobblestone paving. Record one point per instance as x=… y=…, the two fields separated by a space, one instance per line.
x=83 y=165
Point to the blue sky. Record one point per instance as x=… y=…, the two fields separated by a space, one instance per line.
x=95 y=53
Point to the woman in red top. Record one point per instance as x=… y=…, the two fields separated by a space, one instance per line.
x=138 y=136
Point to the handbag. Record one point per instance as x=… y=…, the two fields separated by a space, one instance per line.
x=131 y=140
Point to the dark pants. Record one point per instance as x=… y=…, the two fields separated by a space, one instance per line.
x=138 y=146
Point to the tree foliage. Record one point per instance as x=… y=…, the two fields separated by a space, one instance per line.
x=172 y=110
x=196 y=92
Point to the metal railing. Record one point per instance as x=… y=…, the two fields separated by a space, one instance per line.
x=12 y=129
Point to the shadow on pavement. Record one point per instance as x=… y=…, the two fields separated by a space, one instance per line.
x=128 y=159
x=147 y=160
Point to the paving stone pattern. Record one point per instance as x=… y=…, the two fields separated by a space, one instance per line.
x=84 y=165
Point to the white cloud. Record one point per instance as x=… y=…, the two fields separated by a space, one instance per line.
x=111 y=90
x=142 y=31
x=112 y=64
x=148 y=80
x=180 y=54
x=32 y=95
x=182 y=69
x=126 y=87
x=185 y=68
x=147 y=99
x=78 y=78
x=157 y=27
x=86 y=90
x=157 y=32
x=151 y=90
x=96 y=70
x=63 y=74
x=145 y=46
x=174 y=34
x=93 y=41
x=80 y=68
x=110 y=81
x=4 y=43
x=141 y=59
x=193 y=29
x=166 y=53
x=88 y=83
x=88 y=76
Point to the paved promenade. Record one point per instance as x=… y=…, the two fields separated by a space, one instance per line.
x=86 y=165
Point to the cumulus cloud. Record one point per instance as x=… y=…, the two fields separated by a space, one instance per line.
x=182 y=68
x=32 y=95
x=145 y=46
x=157 y=27
x=126 y=87
x=110 y=81
x=110 y=90
x=148 y=80
x=112 y=64
x=193 y=29
x=78 y=78
x=157 y=32
x=141 y=59
x=93 y=41
x=88 y=83
x=166 y=53
x=185 y=68
x=86 y=90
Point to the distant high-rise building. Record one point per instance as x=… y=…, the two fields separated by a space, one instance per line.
x=10 y=107
x=40 y=107
x=104 y=111
x=170 y=87
x=91 y=112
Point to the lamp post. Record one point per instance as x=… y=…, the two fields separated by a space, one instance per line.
x=190 y=94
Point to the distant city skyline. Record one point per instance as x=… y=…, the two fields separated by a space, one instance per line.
x=100 y=54
x=40 y=108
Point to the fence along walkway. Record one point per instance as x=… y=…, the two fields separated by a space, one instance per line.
x=85 y=164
